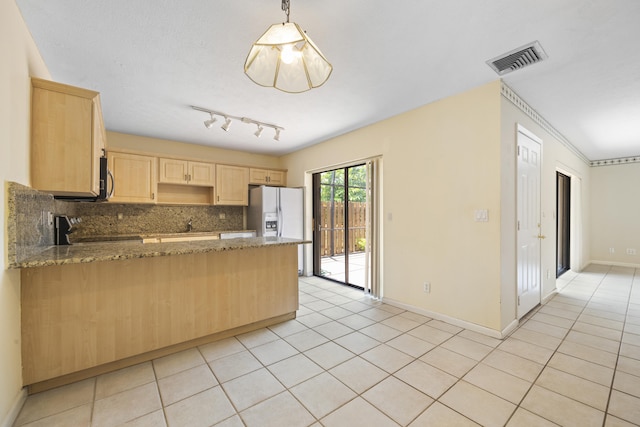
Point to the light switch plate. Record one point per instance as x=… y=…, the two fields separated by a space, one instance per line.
x=482 y=215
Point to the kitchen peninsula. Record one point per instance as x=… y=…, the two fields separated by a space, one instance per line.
x=96 y=307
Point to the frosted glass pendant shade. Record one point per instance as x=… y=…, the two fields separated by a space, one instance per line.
x=285 y=58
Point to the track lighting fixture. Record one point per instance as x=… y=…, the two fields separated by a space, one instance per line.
x=209 y=123
x=227 y=123
x=228 y=118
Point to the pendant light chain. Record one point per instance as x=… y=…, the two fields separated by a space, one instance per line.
x=285 y=8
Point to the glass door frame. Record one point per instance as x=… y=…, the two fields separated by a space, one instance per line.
x=317 y=226
x=563 y=223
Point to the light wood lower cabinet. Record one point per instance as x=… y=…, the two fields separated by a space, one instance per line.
x=81 y=316
x=135 y=177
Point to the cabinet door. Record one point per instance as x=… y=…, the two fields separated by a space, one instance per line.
x=173 y=171
x=202 y=174
x=134 y=177
x=267 y=177
x=232 y=185
x=99 y=142
x=277 y=178
x=61 y=147
x=258 y=176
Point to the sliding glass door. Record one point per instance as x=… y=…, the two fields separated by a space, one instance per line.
x=340 y=224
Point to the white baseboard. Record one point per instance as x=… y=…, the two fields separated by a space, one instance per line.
x=548 y=297
x=18 y=402
x=616 y=264
x=457 y=322
x=510 y=328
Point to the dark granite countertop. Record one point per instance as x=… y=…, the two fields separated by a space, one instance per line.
x=131 y=249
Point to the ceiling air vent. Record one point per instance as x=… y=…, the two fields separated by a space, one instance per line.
x=518 y=58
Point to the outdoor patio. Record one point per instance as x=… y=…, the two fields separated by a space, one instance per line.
x=333 y=267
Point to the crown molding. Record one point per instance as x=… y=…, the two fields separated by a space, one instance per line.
x=616 y=161
x=513 y=97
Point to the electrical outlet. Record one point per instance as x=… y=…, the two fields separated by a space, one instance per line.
x=47 y=218
x=222 y=215
x=120 y=215
x=612 y=251
x=631 y=251
x=427 y=287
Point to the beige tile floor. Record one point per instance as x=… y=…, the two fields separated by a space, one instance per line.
x=348 y=360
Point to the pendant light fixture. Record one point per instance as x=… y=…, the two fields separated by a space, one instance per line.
x=285 y=58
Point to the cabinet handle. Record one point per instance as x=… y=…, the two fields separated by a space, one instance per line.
x=218 y=198
x=113 y=184
x=153 y=196
x=186 y=177
x=189 y=177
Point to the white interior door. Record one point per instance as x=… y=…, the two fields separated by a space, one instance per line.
x=528 y=224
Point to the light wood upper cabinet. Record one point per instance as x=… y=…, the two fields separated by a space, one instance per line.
x=202 y=174
x=232 y=185
x=135 y=177
x=176 y=171
x=67 y=139
x=267 y=177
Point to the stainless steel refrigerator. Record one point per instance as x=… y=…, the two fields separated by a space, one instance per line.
x=277 y=211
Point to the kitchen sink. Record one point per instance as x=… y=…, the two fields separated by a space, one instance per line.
x=180 y=237
x=237 y=234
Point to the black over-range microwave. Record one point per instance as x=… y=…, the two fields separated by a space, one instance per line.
x=106 y=181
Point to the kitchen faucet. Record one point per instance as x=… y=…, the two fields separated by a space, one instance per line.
x=189 y=226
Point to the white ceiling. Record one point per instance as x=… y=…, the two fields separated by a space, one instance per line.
x=152 y=59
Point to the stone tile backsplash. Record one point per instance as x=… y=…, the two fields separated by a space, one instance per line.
x=28 y=228
x=102 y=219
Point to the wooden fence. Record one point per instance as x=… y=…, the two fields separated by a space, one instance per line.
x=332 y=232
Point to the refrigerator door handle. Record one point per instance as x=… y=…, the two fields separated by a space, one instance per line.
x=279 y=207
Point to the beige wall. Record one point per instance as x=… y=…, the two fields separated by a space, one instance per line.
x=615 y=211
x=441 y=163
x=20 y=59
x=117 y=140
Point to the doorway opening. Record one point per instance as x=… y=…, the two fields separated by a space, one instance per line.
x=563 y=223
x=340 y=204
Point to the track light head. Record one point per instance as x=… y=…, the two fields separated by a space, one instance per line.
x=277 y=135
x=209 y=123
x=259 y=131
x=227 y=123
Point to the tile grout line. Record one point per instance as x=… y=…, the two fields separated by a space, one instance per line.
x=546 y=364
x=155 y=376
x=528 y=318
x=624 y=324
